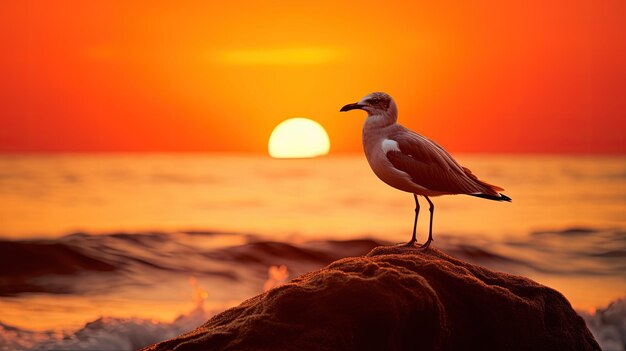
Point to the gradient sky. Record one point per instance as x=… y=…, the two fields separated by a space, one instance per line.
x=481 y=76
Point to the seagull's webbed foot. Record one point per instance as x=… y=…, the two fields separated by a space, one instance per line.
x=426 y=245
x=409 y=244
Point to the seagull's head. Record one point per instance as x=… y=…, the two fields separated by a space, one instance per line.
x=376 y=104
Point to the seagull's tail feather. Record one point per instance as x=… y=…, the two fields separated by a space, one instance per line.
x=501 y=197
x=483 y=183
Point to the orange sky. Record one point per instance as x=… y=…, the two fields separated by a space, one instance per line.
x=492 y=76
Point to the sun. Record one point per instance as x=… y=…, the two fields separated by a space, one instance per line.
x=298 y=138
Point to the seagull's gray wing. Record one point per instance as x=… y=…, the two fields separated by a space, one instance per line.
x=431 y=167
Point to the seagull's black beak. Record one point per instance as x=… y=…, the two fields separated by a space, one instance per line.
x=355 y=106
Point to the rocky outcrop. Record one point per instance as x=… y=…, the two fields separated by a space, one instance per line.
x=397 y=298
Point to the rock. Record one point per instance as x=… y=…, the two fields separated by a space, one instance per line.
x=396 y=298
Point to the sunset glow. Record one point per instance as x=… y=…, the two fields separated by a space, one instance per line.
x=170 y=169
x=523 y=77
x=290 y=56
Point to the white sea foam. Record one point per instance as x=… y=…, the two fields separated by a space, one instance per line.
x=608 y=325
x=103 y=334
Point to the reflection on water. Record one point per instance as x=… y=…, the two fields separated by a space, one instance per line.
x=334 y=197
x=170 y=216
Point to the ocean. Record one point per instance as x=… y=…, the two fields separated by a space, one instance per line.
x=117 y=251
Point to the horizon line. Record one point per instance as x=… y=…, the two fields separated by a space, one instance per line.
x=331 y=154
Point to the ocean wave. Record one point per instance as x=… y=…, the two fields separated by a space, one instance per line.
x=40 y=265
x=21 y=262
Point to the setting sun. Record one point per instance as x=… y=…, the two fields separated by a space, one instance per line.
x=298 y=138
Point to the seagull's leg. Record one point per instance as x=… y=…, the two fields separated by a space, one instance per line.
x=430 y=228
x=417 y=212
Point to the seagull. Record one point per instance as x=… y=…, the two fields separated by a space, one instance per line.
x=413 y=163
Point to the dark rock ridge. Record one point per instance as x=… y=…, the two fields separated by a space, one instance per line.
x=397 y=298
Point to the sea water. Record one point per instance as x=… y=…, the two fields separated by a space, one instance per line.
x=139 y=244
